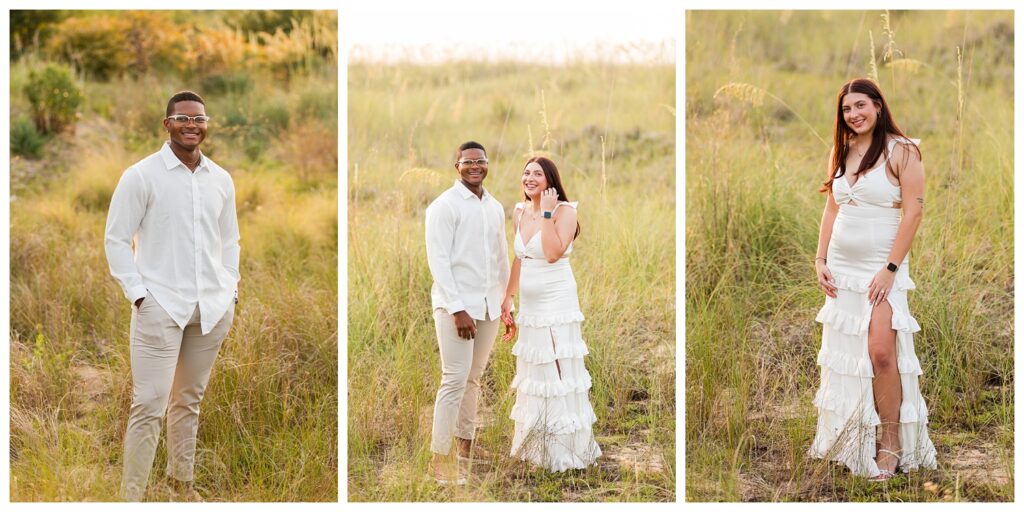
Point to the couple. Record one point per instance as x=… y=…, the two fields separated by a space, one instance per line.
x=474 y=287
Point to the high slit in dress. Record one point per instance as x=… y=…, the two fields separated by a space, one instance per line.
x=862 y=236
x=553 y=416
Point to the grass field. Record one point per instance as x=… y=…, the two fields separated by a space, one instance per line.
x=268 y=430
x=610 y=128
x=755 y=158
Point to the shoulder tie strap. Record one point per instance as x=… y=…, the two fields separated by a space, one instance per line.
x=522 y=209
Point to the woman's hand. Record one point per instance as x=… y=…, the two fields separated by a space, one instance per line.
x=880 y=286
x=506 y=308
x=548 y=199
x=510 y=331
x=506 y=318
x=825 y=279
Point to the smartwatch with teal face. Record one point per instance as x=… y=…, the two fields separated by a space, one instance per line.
x=547 y=215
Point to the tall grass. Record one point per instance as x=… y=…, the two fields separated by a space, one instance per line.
x=268 y=430
x=752 y=223
x=610 y=128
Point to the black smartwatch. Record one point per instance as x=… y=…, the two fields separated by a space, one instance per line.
x=891 y=267
x=547 y=215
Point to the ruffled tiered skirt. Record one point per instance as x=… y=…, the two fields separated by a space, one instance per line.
x=553 y=416
x=862 y=237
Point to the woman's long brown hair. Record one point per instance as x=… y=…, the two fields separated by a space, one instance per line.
x=554 y=180
x=841 y=133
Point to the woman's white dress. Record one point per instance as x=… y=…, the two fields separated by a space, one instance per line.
x=862 y=236
x=553 y=416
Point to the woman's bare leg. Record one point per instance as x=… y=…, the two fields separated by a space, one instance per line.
x=887 y=386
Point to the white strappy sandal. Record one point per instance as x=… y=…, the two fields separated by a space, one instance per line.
x=885 y=475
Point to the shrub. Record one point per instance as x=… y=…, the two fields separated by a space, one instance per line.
x=263 y=21
x=316 y=101
x=154 y=42
x=272 y=113
x=54 y=97
x=94 y=44
x=212 y=52
x=26 y=139
x=227 y=83
x=306 y=47
x=108 y=45
x=31 y=28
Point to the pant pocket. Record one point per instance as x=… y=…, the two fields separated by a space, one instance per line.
x=152 y=325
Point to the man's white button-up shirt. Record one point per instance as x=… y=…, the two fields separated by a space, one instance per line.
x=467 y=252
x=185 y=233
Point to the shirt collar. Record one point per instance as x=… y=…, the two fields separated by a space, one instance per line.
x=467 y=193
x=171 y=160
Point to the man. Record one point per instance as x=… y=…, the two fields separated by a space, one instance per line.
x=468 y=258
x=179 y=207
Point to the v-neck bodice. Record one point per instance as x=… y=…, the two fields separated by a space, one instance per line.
x=873 y=188
x=532 y=248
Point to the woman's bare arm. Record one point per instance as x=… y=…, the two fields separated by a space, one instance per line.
x=556 y=234
x=911 y=176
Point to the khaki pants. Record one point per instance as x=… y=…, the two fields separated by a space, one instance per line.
x=170 y=370
x=462 y=363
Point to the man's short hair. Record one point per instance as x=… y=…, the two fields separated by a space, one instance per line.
x=470 y=145
x=183 y=96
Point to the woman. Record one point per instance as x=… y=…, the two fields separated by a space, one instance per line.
x=873 y=207
x=553 y=416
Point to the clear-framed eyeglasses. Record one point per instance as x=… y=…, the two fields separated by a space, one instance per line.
x=182 y=119
x=478 y=161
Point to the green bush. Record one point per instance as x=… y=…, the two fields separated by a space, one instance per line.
x=107 y=45
x=227 y=83
x=97 y=45
x=26 y=139
x=31 y=28
x=54 y=97
x=272 y=113
x=316 y=102
x=264 y=21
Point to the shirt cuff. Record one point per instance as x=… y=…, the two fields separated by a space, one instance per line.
x=137 y=293
x=455 y=306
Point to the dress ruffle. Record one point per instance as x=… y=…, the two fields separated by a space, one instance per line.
x=537 y=320
x=857 y=324
x=553 y=415
x=902 y=282
x=555 y=422
x=847 y=419
x=534 y=345
x=547 y=389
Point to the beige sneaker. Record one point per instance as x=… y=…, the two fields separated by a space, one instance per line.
x=475 y=454
x=186 y=492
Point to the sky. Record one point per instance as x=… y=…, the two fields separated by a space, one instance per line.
x=535 y=30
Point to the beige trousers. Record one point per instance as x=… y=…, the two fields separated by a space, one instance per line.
x=170 y=370
x=462 y=363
